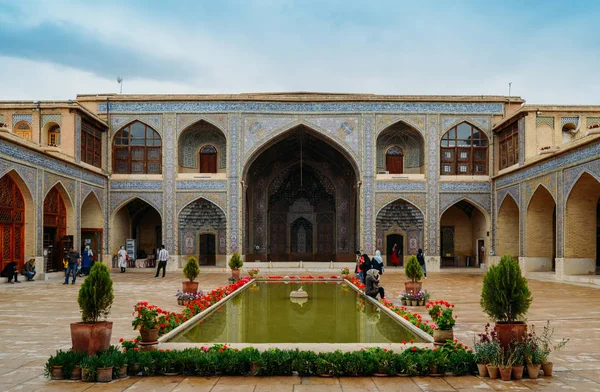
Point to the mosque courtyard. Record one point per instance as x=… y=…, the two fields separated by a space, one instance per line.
x=35 y=317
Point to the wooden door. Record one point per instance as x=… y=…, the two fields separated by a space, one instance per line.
x=394 y=160
x=12 y=219
x=208 y=159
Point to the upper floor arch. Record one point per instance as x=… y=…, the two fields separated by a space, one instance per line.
x=202 y=148
x=464 y=151
x=400 y=150
x=137 y=149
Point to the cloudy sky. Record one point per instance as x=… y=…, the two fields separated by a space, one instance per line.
x=55 y=49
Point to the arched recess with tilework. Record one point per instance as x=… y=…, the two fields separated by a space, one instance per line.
x=582 y=223
x=59 y=226
x=139 y=220
x=508 y=228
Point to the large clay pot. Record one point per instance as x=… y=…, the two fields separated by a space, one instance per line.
x=413 y=287
x=91 y=338
x=517 y=372
x=533 y=371
x=483 y=372
x=235 y=274
x=441 y=336
x=190 y=287
x=509 y=332
x=505 y=372
x=547 y=369
x=149 y=335
x=492 y=371
x=104 y=374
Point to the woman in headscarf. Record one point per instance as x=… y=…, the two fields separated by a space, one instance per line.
x=122 y=257
x=372 y=283
x=378 y=262
x=86 y=260
x=395 y=257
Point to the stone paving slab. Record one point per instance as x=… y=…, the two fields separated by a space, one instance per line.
x=35 y=317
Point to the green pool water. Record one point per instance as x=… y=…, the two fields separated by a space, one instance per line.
x=264 y=313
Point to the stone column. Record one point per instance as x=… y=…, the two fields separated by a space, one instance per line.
x=432 y=249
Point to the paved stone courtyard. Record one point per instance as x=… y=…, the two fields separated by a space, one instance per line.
x=35 y=317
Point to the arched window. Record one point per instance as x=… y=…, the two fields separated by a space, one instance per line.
x=137 y=150
x=208 y=159
x=54 y=136
x=394 y=160
x=23 y=129
x=464 y=151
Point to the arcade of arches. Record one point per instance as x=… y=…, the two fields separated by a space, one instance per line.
x=301 y=199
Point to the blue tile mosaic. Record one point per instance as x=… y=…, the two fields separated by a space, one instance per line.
x=400 y=186
x=202 y=185
x=136 y=185
x=321 y=107
x=22 y=117
x=465 y=186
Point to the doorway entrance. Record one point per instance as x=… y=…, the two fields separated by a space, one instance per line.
x=395 y=250
x=480 y=253
x=93 y=239
x=207 y=249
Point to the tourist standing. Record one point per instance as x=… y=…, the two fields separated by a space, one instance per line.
x=365 y=265
x=163 y=257
x=421 y=260
x=357 y=267
x=372 y=283
x=378 y=262
x=86 y=262
x=29 y=270
x=74 y=259
x=122 y=258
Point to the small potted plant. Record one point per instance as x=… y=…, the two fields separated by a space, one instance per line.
x=147 y=317
x=413 y=272
x=253 y=273
x=495 y=355
x=547 y=346
x=95 y=299
x=191 y=270
x=106 y=362
x=54 y=365
x=506 y=362
x=235 y=263
x=441 y=313
x=345 y=272
x=533 y=354
x=404 y=298
x=518 y=365
x=485 y=348
x=89 y=368
x=505 y=297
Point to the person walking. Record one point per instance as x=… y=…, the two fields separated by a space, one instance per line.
x=372 y=283
x=122 y=258
x=72 y=268
x=377 y=262
x=421 y=260
x=163 y=257
x=395 y=256
x=86 y=262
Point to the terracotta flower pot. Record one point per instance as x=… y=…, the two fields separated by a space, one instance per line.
x=149 y=335
x=413 y=287
x=483 y=371
x=91 y=338
x=76 y=373
x=404 y=302
x=505 y=372
x=84 y=375
x=123 y=371
x=517 y=372
x=56 y=373
x=104 y=374
x=509 y=332
x=235 y=274
x=492 y=371
x=179 y=301
x=441 y=336
x=190 y=287
x=533 y=370
x=414 y=303
x=547 y=369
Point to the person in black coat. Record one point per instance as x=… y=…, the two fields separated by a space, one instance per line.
x=365 y=265
x=10 y=271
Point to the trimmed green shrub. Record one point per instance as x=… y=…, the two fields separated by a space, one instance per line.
x=235 y=263
x=413 y=269
x=505 y=296
x=191 y=270
x=96 y=295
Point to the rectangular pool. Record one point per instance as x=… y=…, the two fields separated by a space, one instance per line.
x=264 y=313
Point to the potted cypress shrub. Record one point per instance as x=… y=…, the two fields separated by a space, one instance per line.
x=191 y=270
x=235 y=263
x=505 y=297
x=95 y=299
x=413 y=272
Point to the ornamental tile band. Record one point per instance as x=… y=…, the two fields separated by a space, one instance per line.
x=318 y=107
x=136 y=185
x=22 y=117
x=202 y=185
x=400 y=186
x=465 y=187
x=48 y=118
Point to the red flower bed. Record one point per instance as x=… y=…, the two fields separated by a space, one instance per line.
x=171 y=320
